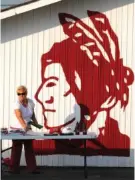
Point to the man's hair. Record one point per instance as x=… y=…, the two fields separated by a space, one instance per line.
x=21 y=87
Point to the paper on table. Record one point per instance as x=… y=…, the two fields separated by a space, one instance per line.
x=16 y=131
x=32 y=133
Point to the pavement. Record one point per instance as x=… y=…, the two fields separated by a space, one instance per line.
x=72 y=173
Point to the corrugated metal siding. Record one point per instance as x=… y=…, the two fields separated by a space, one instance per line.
x=26 y=37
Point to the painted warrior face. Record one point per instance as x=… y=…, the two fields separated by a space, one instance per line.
x=55 y=95
x=85 y=69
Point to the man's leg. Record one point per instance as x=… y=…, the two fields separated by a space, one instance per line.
x=16 y=155
x=30 y=155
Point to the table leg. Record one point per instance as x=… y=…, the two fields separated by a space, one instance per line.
x=1 y=144
x=1 y=158
x=85 y=160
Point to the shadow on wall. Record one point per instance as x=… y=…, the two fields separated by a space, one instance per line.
x=47 y=17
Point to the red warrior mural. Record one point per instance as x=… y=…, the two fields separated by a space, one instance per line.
x=89 y=65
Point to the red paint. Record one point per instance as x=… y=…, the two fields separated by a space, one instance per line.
x=94 y=79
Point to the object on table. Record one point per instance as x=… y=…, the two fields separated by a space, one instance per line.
x=51 y=134
x=67 y=134
x=77 y=129
x=39 y=126
x=17 y=131
x=67 y=131
x=4 y=130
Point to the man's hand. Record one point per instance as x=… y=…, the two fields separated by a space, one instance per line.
x=26 y=127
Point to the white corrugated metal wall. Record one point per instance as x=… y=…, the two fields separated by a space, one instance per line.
x=27 y=36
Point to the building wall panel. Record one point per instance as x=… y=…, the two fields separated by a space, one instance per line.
x=26 y=37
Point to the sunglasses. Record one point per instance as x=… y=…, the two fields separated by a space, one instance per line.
x=19 y=94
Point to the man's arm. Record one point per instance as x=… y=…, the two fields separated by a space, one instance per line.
x=34 y=118
x=18 y=114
